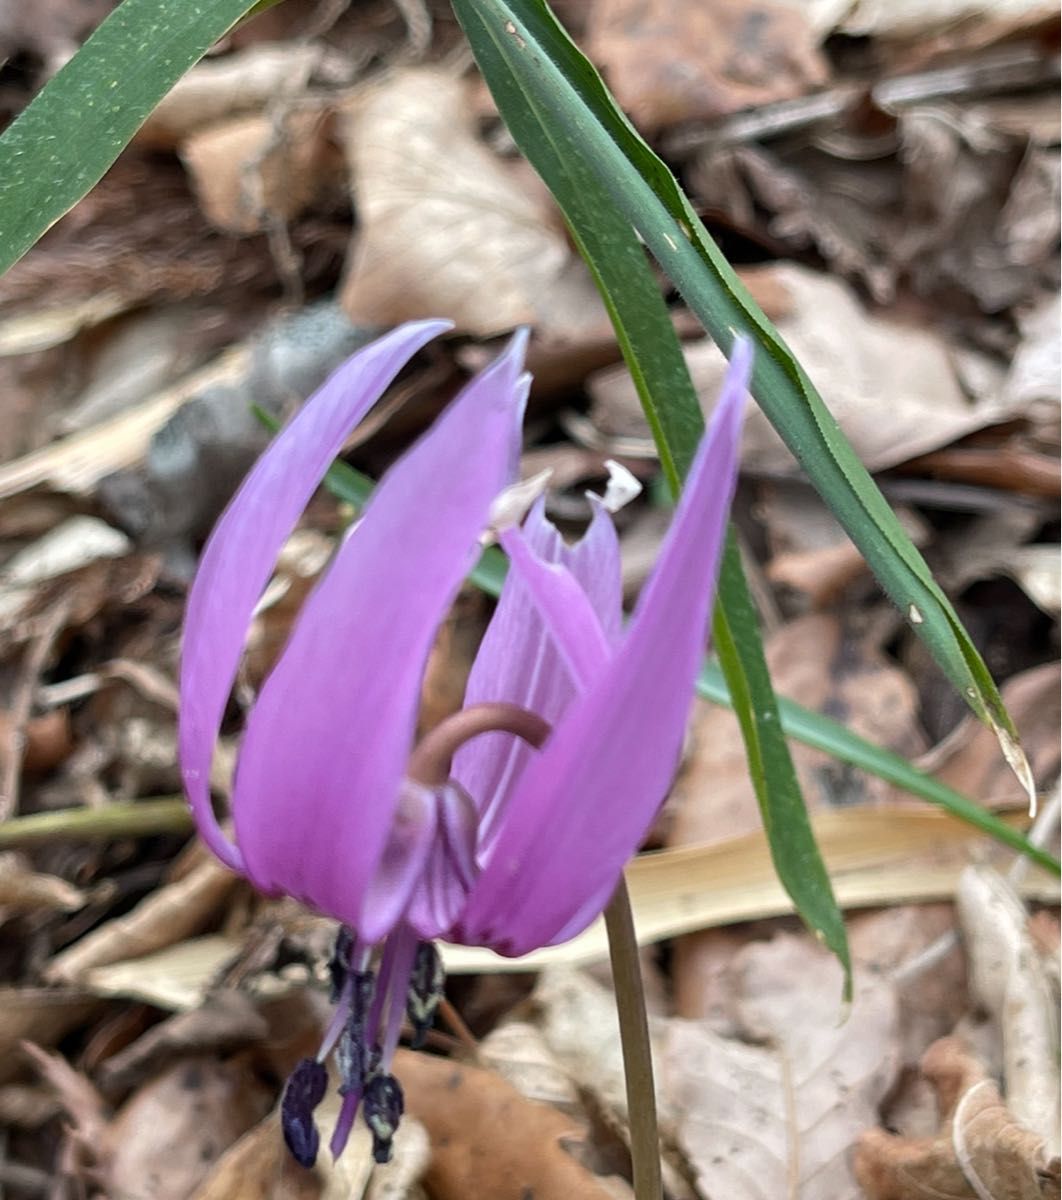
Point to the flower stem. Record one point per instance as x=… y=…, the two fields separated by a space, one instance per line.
x=637 y=1051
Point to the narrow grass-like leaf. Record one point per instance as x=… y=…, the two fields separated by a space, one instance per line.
x=533 y=66
x=83 y=118
x=794 y=852
x=653 y=354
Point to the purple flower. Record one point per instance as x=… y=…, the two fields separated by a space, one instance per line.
x=508 y=826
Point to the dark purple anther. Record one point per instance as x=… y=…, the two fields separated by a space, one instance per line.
x=351 y=1059
x=363 y=983
x=339 y=963
x=383 y=1105
x=304 y=1091
x=425 y=991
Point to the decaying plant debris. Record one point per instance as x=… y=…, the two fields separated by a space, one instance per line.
x=886 y=180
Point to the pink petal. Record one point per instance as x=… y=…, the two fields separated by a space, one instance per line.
x=583 y=805
x=327 y=743
x=519 y=661
x=242 y=551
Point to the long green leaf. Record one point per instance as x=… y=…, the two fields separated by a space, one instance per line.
x=546 y=73
x=81 y=120
x=794 y=851
x=654 y=355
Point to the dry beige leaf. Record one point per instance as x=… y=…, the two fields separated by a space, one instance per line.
x=24 y=890
x=865 y=366
x=447 y=229
x=176 y=978
x=778 y=1118
x=1032 y=383
x=775 y=1118
x=169 y=915
x=931 y=1001
x=518 y=1052
x=981 y=1152
x=920 y=18
x=1009 y=979
x=30 y=332
x=220 y=88
x=881 y=855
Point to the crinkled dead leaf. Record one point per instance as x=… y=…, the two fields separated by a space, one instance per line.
x=259 y=1167
x=518 y=1052
x=446 y=227
x=42 y=1016
x=981 y=1151
x=167 y=916
x=815 y=661
x=487 y=1139
x=768 y=1112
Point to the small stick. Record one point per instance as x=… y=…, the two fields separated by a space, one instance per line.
x=123 y=818
x=637 y=1051
x=22 y=705
x=458 y=1027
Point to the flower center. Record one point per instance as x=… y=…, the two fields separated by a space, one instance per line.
x=426 y=872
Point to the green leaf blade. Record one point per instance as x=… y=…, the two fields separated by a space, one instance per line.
x=549 y=71
x=654 y=356
x=62 y=144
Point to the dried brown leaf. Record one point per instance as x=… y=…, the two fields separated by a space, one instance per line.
x=814 y=661
x=226 y=1021
x=42 y=1016
x=487 y=1139
x=170 y=914
x=971 y=763
x=981 y=1151
x=252 y=172
x=164 y=1140
x=448 y=229
x=683 y=60
x=24 y=890
x=259 y=1167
